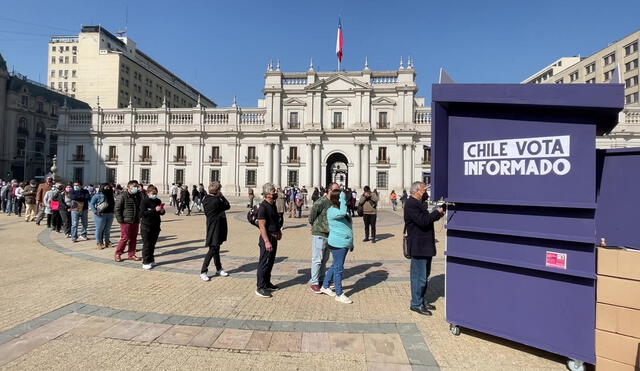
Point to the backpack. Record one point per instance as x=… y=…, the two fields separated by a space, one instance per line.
x=252 y=215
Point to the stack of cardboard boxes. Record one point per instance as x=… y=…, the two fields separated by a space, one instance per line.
x=618 y=310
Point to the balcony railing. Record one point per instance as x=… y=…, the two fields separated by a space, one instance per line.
x=382 y=160
x=383 y=125
x=179 y=158
x=78 y=157
x=215 y=159
x=23 y=131
x=111 y=158
x=145 y=158
x=426 y=161
x=293 y=160
x=294 y=125
x=337 y=125
x=251 y=160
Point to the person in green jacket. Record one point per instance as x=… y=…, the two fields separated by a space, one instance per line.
x=319 y=236
x=340 y=242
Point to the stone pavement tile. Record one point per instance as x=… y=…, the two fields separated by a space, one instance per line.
x=407 y=328
x=18 y=347
x=125 y=330
x=387 y=367
x=259 y=340
x=346 y=343
x=152 y=332
x=174 y=320
x=87 y=309
x=285 y=342
x=417 y=350
x=105 y=312
x=336 y=327
x=215 y=322
x=283 y=326
x=233 y=339
x=256 y=325
x=194 y=321
x=206 y=337
x=385 y=348
x=315 y=342
x=93 y=326
x=128 y=314
x=57 y=328
x=154 y=317
x=178 y=335
x=234 y=323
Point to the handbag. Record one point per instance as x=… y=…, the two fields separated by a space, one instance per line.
x=54 y=205
x=405 y=244
x=101 y=206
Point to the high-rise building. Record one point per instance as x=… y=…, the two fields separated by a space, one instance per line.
x=619 y=58
x=97 y=65
x=312 y=127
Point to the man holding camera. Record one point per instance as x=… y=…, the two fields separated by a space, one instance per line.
x=422 y=244
x=369 y=203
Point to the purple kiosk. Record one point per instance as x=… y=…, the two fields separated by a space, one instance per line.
x=518 y=165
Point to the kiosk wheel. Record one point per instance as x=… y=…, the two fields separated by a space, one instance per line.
x=455 y=330
x=575 y=365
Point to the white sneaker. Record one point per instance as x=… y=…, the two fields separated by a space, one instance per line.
x=343 y=299
x=83 y=238
x=205 y=277
x=222 y=273
x=327 y=291
x=147 y=266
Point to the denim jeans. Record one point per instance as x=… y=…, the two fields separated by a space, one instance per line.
x=9 y=207
x=103 y=227
x=76 y=217
x=420 y=270
x=319 y=256
x=337 y=268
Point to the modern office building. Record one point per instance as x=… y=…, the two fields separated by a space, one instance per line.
x=354 y=127
x=98 y=66
x=616 y=62
x=28 y=115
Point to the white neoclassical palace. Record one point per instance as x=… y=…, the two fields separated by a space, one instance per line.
x=354 y=127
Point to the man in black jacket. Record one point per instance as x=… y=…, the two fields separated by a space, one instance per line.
x=422 y=244
x=127 y=212
x=215 y=205
x=151 y=209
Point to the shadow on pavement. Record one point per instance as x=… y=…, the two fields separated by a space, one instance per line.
x=252 y=267
x=377 y=276
x=435 y=288
x=384 y=236
x=200 y=243
x=369 y=280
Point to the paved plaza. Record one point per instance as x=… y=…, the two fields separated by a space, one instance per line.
x=66 y=305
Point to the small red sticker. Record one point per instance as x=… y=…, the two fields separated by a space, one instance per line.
x=556 y=260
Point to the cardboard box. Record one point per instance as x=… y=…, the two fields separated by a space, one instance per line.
x=619 y=348
x=618 y=291
x=621 y=263
x=620 y=320
x=604 y=364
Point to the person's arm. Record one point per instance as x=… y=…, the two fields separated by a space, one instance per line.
x=118 y=209
x=262 y=224
x=422 y=217
x=93 y=202
x=313 y=214
x=147 y=209
x=362 y=200
x=340 y=212
x=225 y=203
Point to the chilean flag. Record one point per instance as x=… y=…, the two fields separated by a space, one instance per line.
x=339 y=41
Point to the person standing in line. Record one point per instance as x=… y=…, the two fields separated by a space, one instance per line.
x=151 y=209
x=404 y=197
x=173 y=191
x=215 y=205
x=4 y=195
x=305 y=195
x=281 y=203
x=340 y=241
x=127 y=212
x=55 y=204
x=65 y=209
x=393 y=197
x=43 y=188
x=270 y=226
x=17 y=207
x=252 y=196
x=196 y=197
x=29 y=195
x=369 y=203
x=319 y=236
x=422 y=245
x=79 y=211
x=102 y=205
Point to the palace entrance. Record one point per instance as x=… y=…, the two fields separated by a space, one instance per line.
x=337 y=169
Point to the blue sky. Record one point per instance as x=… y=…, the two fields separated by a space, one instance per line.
x=223 y=47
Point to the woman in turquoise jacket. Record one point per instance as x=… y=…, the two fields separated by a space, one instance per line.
x=340 y=242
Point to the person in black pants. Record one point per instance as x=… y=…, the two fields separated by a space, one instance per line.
x=270 y=225
x=185 y=201
x=215 y=205
x=369 y=203
x=151 y=208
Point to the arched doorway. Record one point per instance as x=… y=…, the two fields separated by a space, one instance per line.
x=337 y=169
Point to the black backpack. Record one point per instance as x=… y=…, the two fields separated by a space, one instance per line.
x=252 y=215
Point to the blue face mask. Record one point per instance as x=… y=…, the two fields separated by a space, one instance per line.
x=134 y=190
x=76 y=188
x=153 y=197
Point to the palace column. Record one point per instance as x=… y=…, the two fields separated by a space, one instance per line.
x=366 y=167
x=357 y=184
x=317 y=181
x=407 y=179
x=309 y=162
x=403 y=149
x=269 y=162
x=277 y=177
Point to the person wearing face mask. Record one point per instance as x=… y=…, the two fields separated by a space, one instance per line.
x=151 y=209
x=43 y=188
x=79 y=211
x=127 y=212
x=29 y=195
x=65 y=208
x=421 y=241
x=270 y=225
x=102 y=205
x=56 y=204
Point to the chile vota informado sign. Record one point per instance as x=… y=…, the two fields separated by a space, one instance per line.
x=518 y=162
